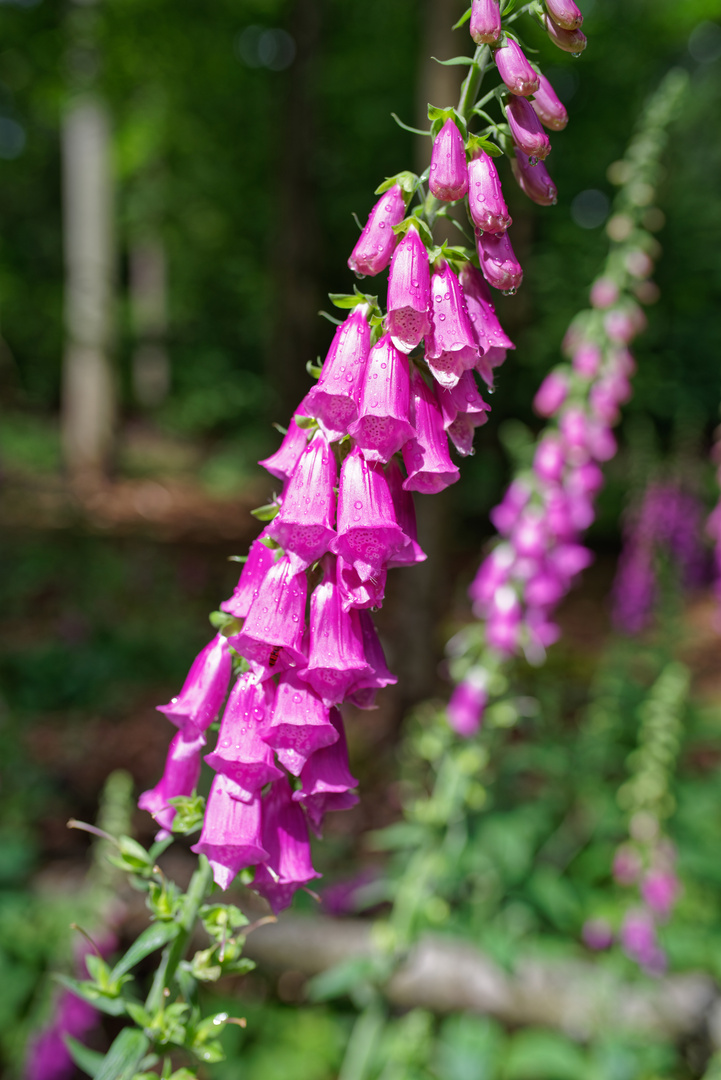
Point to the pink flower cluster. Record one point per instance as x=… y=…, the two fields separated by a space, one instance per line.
x=713 y=526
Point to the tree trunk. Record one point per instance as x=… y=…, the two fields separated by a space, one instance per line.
x=149 y=314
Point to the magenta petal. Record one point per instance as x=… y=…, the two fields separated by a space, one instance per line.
x=317 y=806
x=573 y=41
x=485 y=195
x=426 y=458
x=180 y=777
x=368 y=533
x=548 y=108
x=412 y=552
x=300 y=718
x=327 y=770
x=363 y=694
x=409 y=293
x=285 y=835
x=485 y=24
x=204 y=689
x=526 y=129
x=377 y=241
x=382 y=425
x=259 y=561
x=468 y=701
x=534 y=180
x=240 y=752
x=448 y=178
x=304 y=525
x=487 y=330
x=515 y=70
x=272 y=634
x=499 y=264
x=451 y=347
x=231 y=834
x=361 y=592
x=335 y=658
x=283 y=461
x=333 y=401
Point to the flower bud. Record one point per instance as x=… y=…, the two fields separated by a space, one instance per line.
x=448 y=178
x=485 y=25
x=551 y=394
x=499 y=264
x=333 y=400
x=604 y=293
x=515 y=70
x=573 y=41
x=467 y=704
x=547 y=106
x=426 y=457
x=382 y=425
x=527 y=131
x=377 y=242
x=587 y=359
x=485 y=196
x=565 y=13
x=409 y=293
x=533 y=180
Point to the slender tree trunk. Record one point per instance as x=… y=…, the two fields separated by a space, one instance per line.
x=149 y=313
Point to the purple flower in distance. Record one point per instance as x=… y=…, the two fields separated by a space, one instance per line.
x=283 y=461
x=409 y=293
x=604 y=293
x=499 y=264
x=597 y=934
x=547 y=106
x=451 y=347
x=180 y=777
x=493 y=572
x=333 y=401
x=627 y=865
x=336 y=659
x=503 y=621
x=487 y=330
x=285 y=834
x=565 y=13
x=382 y=425
x=272 y=634
x=448 y=179
x=534 y=180
x=515 y=70
x=549 y=460
x=468 y=701
x=300 y=718
x=326 y=773
x=587 y=359
x=485 y=195
x=377 y=241
x=639 y=942
x=204 y=690
x=304 y=525
x=426 y=457
x=505 y=515
x=240 y=751
x=551 y=394
x=526 y=130
x=368 y=533
x=358 y=592
x=463 y=411
x=573 y=41
x=660 y=889
x=364 y=692
x=485 y=25
x=412 y=552
x=259 y=561
x=231 y=833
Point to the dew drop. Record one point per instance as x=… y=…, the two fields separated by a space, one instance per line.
x=510 y=292
x=533 y=161
x=297 y=699
x=358 y=505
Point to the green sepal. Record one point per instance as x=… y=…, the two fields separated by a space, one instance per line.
x=165 y=1026
x=157 y=849
x=407 y=127
x=463 y=20
x=131 y=857
x=113 y=1005
x=330 y=318
x=407 y=181
x=456 y=61
x=86 y=1059
x=153 y=937
x=221 y=920
x=306 y=423
x=314 y=370
x=238 y=558
x=416 y=221
x=204 y=965
x=189 y=813
x=221 y=620
x=352 y=300
x=203 y=1038
x=270 y=510
x=482 y=142
x=124 y=1056
x=438 y=118
x=270 y=543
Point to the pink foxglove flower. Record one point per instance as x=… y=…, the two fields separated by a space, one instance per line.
x=259 y=561
x=377 y=241
x=533 y=180
x=506 y=514
x=515 y=70
x=604 y=293
x=285 y=834
x=304 y=525
x=204 y=690
x=283 y=461
x=499 y=264
x=503 y=621
x=368 y=533
x=450 y=346
x=639 y=941
x=272 y=634
x=409 y=293
x=333 y=401
x=493 y=572
x=412 y=552
x=336 y=659
x=485 y=25
x=231 y=833
x=548 y=107
x=597 y=934
x=487 y=330
x=240 y=751
x=426 y=457
x=448 y=178
x=526 y=130
x=549 y=460
x=300 y=718
x=573 y=41
x=660 y=889
x=358 y=592
x=382 y=425
x=180 y=777
x=565 y=13
x=463 y=411
x=326 y=773
x=364 y=692
x=485 y=196
x=551 y=394
x=587 y=359
x=467 y=704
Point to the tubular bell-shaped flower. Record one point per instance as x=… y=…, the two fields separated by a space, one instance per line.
x=304 y=526
x=335 y=654
x=450 y=346
x=361 y=592
x=487 y=330
x=573 y=41
x=463 y=411
x=486 y=204
x=412 y=552
x=382 y=425
x=180 y=776
x=285 y=834
x=448 y=179
x=283 y=461
x=514 y=69
x=377 y=241
x=300 y=718
x=240 y=752
x=548 y=107
x=364 y=692
x=467 y=704
x=499 y=264
x=259 y=561
x=272 y=634
x=565 y=12
x=533 y=180
x=485 y=24
x=333 y=401
x=409 y=292
x=326 y=772
x=231 y=834
x=526 y=130
x=368 y=533
x=204 y=690
x=426 y=457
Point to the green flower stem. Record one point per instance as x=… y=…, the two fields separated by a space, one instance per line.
x=173 y=953
x=363 y=1042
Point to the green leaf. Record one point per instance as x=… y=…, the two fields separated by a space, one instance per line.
x=406 y=127
x=456 y=61
x=222 y=920
x=238 y=558
x=482 y=142
x=124 y=1056
x=536 y=1054
x=344 y=300
x=189 y=813
x=463 y=19
x=407 y=181
x=314 y=370
x=86 y=1059
x=220 y=620
x=112 y=1005
x=153 y=937
x=267 y=512
x=305 y=422
x=344 y=978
